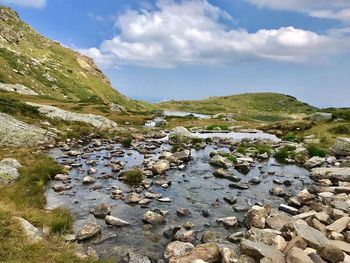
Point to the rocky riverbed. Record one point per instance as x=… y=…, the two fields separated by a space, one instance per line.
x=198 y=203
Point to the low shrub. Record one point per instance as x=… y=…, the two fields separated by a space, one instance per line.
x=126 y=142
x=341 y=129
x=283 y=153
x=314 y=150
x=213 y=127
x=133 y=176
x=291 y=137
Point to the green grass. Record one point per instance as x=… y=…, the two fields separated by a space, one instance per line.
x=126 y=142
x=291 y=137
x=283 y=153
x=221 y=127
x=259 y=147
x=232 y=158
x=315 y=150
x=16 y=107
x=341 y=129
x=133 y=176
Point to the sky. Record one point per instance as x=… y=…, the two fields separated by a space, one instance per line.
x=192 y=49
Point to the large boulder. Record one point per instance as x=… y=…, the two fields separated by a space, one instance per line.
x=160 y=167
x=34 y=235
x=333 y=174
x=256 y=217
x=267 y=236
x=208 y=252
x=9 y=170
x=311 y=236
x=297 y=255
x=314 y=162
x=181 y=131
x=341 y=147
x=321 y=116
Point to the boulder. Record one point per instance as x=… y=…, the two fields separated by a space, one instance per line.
x=228 y=221
x=220 y=161
x=89 y=230
x=160 y=167
x=259 y=250
x=221 y=173
x=296 y=241
x=153 y=218
x=267 y=236
x=180 y=131
x=185 y=236
x=177 y=249
x=314 y=162
x=256 y=217
x=133 y=198
x=211 y=236
x=114 y=221
x=88 y=180
x=339 y=225
x=278 y=221
x=208 y=252
x=333 y=174
x=34 y=235
x=311 y=236
x=101 y=211
x=321 y=116
x=341 y=147
x=331 y=254
x=296 y=255
x=9 y=170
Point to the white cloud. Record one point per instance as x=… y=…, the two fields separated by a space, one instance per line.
x=26 y=3
x=192 y=32
x=332 y=9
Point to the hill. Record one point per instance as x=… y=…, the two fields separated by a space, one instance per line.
x=49 y=69
x=260 y=106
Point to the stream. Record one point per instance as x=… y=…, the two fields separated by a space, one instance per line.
x=194 y=188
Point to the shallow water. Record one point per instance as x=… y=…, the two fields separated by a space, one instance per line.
x=189 y=189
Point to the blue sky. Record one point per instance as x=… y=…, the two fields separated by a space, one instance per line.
x=192 y=49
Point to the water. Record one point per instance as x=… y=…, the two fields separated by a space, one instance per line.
x=194 y=188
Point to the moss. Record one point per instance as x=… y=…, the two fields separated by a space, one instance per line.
x=133 y=176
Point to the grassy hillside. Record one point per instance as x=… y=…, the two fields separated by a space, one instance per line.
x=50 y=69
x=260 y=106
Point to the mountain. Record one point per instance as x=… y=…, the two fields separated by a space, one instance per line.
x=263 y=106
x=49 y=69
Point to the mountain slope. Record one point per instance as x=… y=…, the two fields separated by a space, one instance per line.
x=50 y=69
x=246 y=105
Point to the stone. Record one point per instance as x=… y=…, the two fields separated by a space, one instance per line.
x=133 y=198
x=137 y=258
x=314 y=238
x=89 y=230
x=277 y=191
x=323 y=217
x=305 y=196
x=331 y=254
x=101 y=211
x=181 y=131
x=161 y=167
x=259 y=250
x=240 y=186
x=228 y=221
x=114 y=221
x=34 y=234
x=211 y=236
x=278 y=221
x=321 y=116
x=177 y=249
x=153 y=218
x=296 y=255
x=296 y=241
x=18 y=88
x=208 y=252
x=333 y=174
x=289 y=209
x=185 y=235
x=183 y=212
x=9 y=170
x=341 y=147
x=60 y=187
x=88 y=180
x=314 y=162
x=220 y=161
x=61 y=177
x=339 y=225
x=256 y=217
x=221 y=173
x=267 y=236
x=344 y=246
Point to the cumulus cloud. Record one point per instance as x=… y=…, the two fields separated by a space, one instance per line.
x=332 y=9
x=193 y=32
x=26 y=3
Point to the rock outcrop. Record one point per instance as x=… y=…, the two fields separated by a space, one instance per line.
x=18 y=88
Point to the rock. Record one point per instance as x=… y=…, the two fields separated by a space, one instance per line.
x=180 y=131
x=133 y=198
x=177 y=249
x=341 y=147
x=259 y=250
x=97 y=121
x=60 y=187
x=183 y=212
x=208 y=252
x=344 y=246
x=311 y=236
x=296 y=255
x=88 y=180
x=267 y=236
x=321 y=116
x=89 y=230
x=153 y=218
x=15 y=133
x=230 y=200
x=339 y=225
x=183 y=155
x=228 y=221
x=160 y=167
x=18 y=88
x=276 y=222
x=246 y=259
x=101 y=211
x=136 y=258
x=277 y=191
x=185 y=236
x=221 y=173
x=305 y=197
x=256 y=217
x=34 y=235
x=296 y=242
x=114 y=221
x=333 y=174
x=289 y=209
x=61 y=177
x=255 y=180
x=314 y=162
x=9 y=170
x=220 y=161
x=164 y=200
x=240 y=186
x=331 y=254
x=211 y=236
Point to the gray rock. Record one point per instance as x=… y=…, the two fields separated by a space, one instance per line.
x=341 y=147
x=33 y=234
x=295 y=255
x=221 y=173
x=89 y=230
x=267 y=236
x=220 y=161
x=101 y=211
x=259 y=250
x=18 y=88
x=161 y=167
x=8 y=170
x=211 y=236
x=136 y=258
x=289 y=209
x=114 y=221
x=153 y=218
x=314 y=162
x=177 y=248
x=321 y=116
x=312 y=237
x=181 y=132
x=256 y=217
x=333 y=174
x=133 y=198
x=228 y=221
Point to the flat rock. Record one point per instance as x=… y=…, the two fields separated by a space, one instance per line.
x=297 y=255
x=259 y=250
x=208 y=252
x=88 y=231
x=177 y=249
x=114 y=221
x=311 y=236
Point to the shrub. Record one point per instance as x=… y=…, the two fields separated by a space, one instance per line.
x=260 y=148
x=291 y=136
x=213 y=127
x=341 y=129
x=232 y=158
x=126 y=142
x=285 y=152
x=208 y=140
x=196 y=140
x=315 y=151
x=133 y=176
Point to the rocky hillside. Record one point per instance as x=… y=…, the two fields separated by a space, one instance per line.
x=49 y=69
x=257 y=105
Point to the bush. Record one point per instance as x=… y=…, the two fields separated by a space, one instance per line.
x=15 y=107
x=316 y=151
x=283 y=153
x=126 y=142
x=133 y=176
x=291 y=137
x=232 y=158
x=213 y=127
x=208 y=140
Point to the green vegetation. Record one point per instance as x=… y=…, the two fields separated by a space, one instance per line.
x=219 y=127
x=133 y=176
x=341 y=129
x=341 y=113
x=291 y=137
x=15 y=107
x=283 y=153
x=126 y=142
x=314 y=150
x=258 y=148
x=232 y=158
